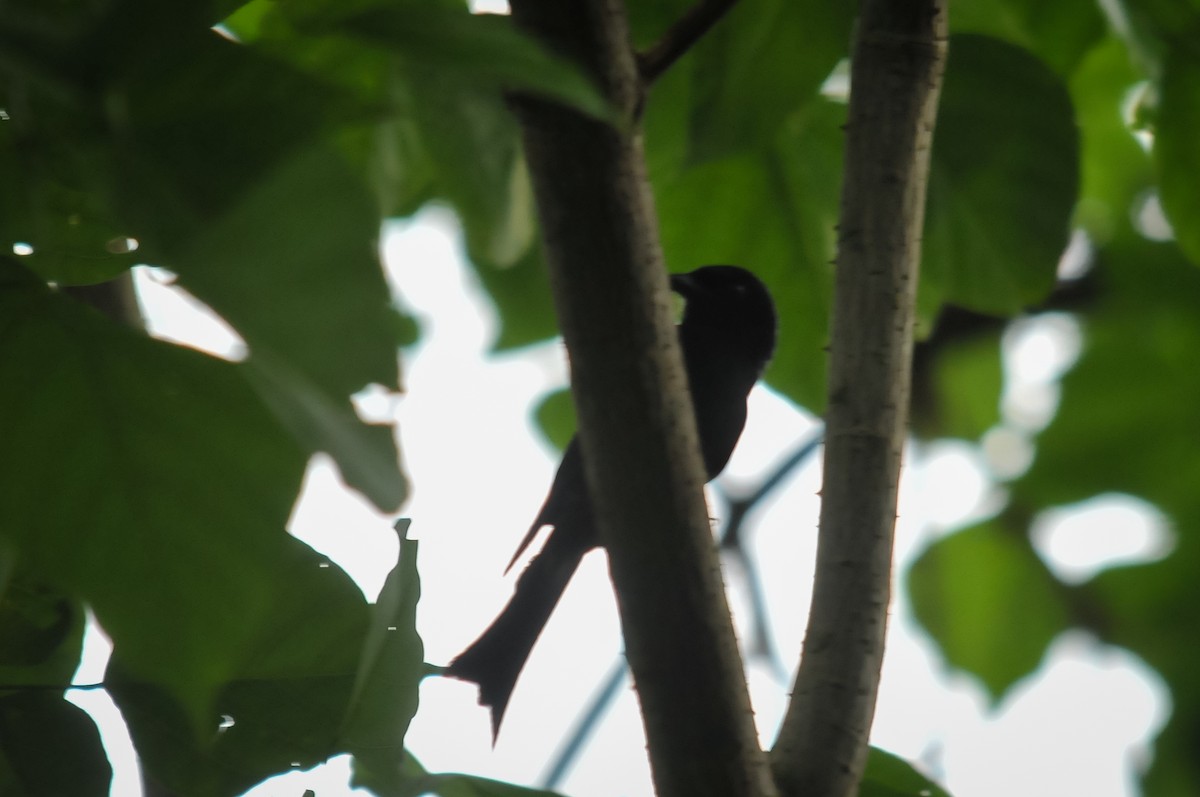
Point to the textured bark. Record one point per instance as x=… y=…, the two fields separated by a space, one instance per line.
x=896 y=74
x=635 y=423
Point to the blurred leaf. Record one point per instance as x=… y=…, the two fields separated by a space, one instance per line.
x=1060 y=33
x=1152 y=27
x=282 y=705
x=965 y=390
x=386 y=687
x=773 y=212
x=1116 y=169
x=472 y=141
x=50 y=747
x=987 y=577
x=236 y=215
x=888 y=775
x=1177 y=147
x=1126 y=415
x=555 y=415
x=55 y=199
x=1126 y=424
x=649 y=19
x=748 y=78
x=55 y=206
x=365 y=453
x=1139 y=610
x=138 y=468
x=1003 y=181
x=312 y=227
x=521 y=294
x=485 y=49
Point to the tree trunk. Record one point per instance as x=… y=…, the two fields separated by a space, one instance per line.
x=635 y=422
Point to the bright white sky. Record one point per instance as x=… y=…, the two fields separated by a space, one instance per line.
x=479 y=471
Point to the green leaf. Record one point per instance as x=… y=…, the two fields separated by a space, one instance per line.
x=385 y=694
x=484 y=49
x=1177 y=148
x=1126 y=415
x=1126 y=424
x=965 y=388
x=138 y=468
x=282 y=705
x=750 y=76
x=521 y=294
x=312 y=227
x=888 y=775
x=987 y=577
x=366 y=453
x=773 y=212
x=1116 y=168
x=1060 y=33
x=1003 y=181
x=49 y=747
x=1153 y=27
x=55 y=206
x=555 y=415
x=473 y=143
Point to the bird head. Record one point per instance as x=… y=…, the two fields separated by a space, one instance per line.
x=728 y=304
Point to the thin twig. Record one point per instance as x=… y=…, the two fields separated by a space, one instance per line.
x=680 y=38
x=799 y=456
x=50 y=687
x=733 y=541
x=602 y=700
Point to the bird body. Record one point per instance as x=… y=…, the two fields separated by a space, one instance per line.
x=727 y=335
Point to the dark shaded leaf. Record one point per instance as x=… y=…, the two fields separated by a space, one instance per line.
x=1177 y=147
x=965 y=387
x=139 y=468
x=1058 y=33
x=773 y=212
x=414 y=781
x=49 y=747
x=1003 y=181
x=312 y=227
x=41 y=629
x=485 y=49
x=472 y=142
x=284 y=702
x=748 y=79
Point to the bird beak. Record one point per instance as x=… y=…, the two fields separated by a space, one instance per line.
x=683 y=284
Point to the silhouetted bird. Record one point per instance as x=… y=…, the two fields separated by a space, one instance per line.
x=727 y=335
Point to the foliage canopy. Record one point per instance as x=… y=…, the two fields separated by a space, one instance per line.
x=152 y=484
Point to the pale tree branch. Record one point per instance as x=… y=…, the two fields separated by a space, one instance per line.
x=897 y=64
x=636 y=427
x=681 y=37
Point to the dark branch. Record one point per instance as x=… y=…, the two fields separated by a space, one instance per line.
x=680 y=38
